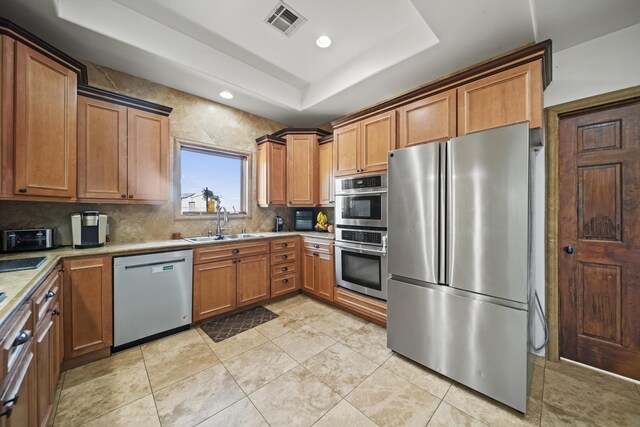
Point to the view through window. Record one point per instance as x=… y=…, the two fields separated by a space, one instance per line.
x=210 y=178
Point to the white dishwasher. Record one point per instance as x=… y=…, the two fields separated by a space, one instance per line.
x=152 y=296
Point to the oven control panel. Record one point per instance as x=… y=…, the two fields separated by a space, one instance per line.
x=364 y=182
x=370 y=237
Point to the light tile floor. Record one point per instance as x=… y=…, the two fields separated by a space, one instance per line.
x=316 y=365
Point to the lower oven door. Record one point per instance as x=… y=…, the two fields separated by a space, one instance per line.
x=361 y=269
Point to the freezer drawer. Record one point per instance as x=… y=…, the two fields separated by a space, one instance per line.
x=152 y=294
x=479 y=344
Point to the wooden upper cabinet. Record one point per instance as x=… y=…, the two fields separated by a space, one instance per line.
x=102 y=149
x=432 y=119
x=7 y=56
x=378 y=138
x=45 y=126
x=302 y=169
x=272 y=173
x=214 y=288
x=253 y=279
x=511 y=96
x=88 y=306
x=345 y=149
x=148 y=156
x=325 y=174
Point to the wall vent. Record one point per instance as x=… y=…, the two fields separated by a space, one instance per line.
x=284 y=19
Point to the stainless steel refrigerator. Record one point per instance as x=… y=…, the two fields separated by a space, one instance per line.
x=459 y=259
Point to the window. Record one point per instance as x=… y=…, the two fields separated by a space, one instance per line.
x=209 y=178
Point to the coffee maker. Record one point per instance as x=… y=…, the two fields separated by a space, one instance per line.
x=278 y=224
x=88 y=229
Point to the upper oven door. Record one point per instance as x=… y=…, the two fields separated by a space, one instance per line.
x=365 y=209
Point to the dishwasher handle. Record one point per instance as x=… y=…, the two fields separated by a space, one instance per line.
x=149 y=264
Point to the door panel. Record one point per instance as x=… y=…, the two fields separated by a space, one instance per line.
x=214 y=288
x=253 y=279
x=378 y=138
x=427 y=120
x=325 y=172
x=302 y=170
x=277 y=174
x=308 y=271
x=345 y=149
x=326 y=277
x=599 y=238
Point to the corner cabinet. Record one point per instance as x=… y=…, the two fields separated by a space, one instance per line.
x=362 y=147
x=123 y=151
x=302 y=170
x=271 y=171
x=325 y=172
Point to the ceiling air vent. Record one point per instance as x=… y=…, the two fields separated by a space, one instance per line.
x=284 y=19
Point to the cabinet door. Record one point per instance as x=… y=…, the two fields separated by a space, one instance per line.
x=427 y=120
x=505 y=98
x=56 y=346
x=7 y=56
x=277 y=174
x=148 y=156
x=308 y=272
x=377 y=139
x=325 y=173
x=102 y=149
x=23 y=387
x=45 y=126
x=345 y=149
x=302 y=170
x=214 y=288
x=44 y=370
x=325 y=276
x=88 y=306
x=262 y=175
x=253 y=279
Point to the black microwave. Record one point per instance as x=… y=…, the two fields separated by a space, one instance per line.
x=304 y=220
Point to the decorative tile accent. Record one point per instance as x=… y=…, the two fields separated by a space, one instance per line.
x=227 y=327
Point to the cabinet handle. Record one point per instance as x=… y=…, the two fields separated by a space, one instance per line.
x=9 y=404
x=331 y=201
x=22 y=190
x=131 y=196
x=285 y=256
x=271 y=202
x=124 y=196
x=235 y=251
x=316 y=246
x=285 y=269
x=239 y=260
x=285 y=281
x=22 y=338
x=234 y=261
x=49 y=294
x=315 y=254
x=284 y=245
x=55 y=312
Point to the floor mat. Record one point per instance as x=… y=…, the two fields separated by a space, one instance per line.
x=221 y=329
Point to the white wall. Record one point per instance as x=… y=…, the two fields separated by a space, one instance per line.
x=602 y=65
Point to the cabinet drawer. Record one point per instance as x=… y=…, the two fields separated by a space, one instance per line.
x=217 y=253
x=47 y=295
x=281 y=269
x=284 y=284
x=283 y=257
x=317 y=245
x=284 y=244
x=15 y=336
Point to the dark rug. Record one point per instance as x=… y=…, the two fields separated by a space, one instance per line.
x=221 y=329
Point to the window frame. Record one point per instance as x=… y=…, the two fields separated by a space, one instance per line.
x=201 y=147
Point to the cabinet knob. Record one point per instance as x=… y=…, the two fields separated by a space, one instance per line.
x=285 y=256
x=315 y=254
x=239 y=260
x=234 y=261
x=331 y=201
x=55 y=312
x=284 y=245
x=131 y=196
x=285 y=281
x=271 y=202
x=49 y=294
x=316 y=245
x=285 y=269
x=124 y=196
x=569 y=249
x=22 y=338
x=22 y=190
x=235 y=251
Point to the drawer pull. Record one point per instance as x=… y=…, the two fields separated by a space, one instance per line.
x=131 y=196
x=9 y=404
x=315 y=254
x=284 y=245
x=22 y=190
x=55 y=312
x=49 y=294
x=239 y=260
x=284 y=256
x=285 y=281
x=124 y=196
x=285 y=269
x=315 y=245
x=235 y=251
x=22 y=338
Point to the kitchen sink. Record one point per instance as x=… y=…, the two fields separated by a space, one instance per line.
x=207 y=239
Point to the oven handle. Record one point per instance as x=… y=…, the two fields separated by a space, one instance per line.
x=361 y=193
x=361 y=250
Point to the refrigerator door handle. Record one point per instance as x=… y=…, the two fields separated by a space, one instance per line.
x=442 y=221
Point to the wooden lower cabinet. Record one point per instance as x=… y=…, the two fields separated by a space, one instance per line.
x=88 y=306
x=319 y=277
x=44 y=368
x=284 y=284
x=252 y=279
x=214 y=289
x=308 y=272
x=284 y=265
x=20 y=393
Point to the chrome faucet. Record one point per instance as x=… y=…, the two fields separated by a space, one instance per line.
x=225 y=218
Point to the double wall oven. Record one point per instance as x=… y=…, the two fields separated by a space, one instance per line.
x=361 y=234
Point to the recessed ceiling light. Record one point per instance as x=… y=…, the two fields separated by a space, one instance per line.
x=323 y=41
x=226 y=94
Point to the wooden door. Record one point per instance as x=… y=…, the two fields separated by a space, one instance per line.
x=378 y=136
x=88 y=306
x=345 y=149
x=308 y=271
x=214 y=288
x=302 y=170
x=44 y=369
x=325 y=175
x=45 y=126
x=432 y=119
x=511 y=96
x=325 y=276
x=148 y=156
x=277 y=174
x=7 y=74
x=253 y=279
x=599 y=239
x=102 y=149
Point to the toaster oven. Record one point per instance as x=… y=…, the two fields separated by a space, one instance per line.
x=27 y=239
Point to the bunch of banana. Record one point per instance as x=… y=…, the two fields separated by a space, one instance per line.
x=322 y=222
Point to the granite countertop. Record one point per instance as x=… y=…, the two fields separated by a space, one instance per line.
x=19 y=285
